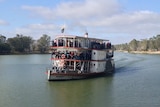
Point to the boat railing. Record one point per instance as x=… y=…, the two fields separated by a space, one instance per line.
x=81 y=43
x=70 y=65
x=85 y=48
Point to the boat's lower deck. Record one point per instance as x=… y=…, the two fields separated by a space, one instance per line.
x=75 y=75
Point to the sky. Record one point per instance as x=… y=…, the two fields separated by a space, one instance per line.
x=119 y=21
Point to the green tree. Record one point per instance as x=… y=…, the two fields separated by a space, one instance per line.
x=43 y=43
x=5 y=48
x=124 y=47
x=144 y=45
x=157 y=42
x=20 y=43
x=151 y=44
x=133 y=45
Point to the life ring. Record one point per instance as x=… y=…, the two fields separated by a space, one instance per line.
x=63 y=56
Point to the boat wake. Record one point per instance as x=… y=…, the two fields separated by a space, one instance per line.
x=127 y=63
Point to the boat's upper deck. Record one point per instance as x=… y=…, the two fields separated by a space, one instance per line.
x=78 y=37
x=80 y=42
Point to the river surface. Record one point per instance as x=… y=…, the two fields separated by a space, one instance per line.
x=136 y=83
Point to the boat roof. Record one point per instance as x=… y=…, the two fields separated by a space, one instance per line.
x=74 y=36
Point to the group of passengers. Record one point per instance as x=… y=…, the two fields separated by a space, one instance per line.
x=99 y=45
x=70 y=43
x=72 y=55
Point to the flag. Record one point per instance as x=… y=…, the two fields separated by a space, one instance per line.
x=62 y=30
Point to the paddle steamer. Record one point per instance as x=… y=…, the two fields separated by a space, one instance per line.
x=77 y=57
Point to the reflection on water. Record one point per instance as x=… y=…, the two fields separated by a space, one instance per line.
x=83 y=93
x=23 y=83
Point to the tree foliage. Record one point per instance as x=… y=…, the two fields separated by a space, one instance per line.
x=20 y=43
x=152 y=44
x=25 y=44
x=4 y=48
x=43 y=43
x=133 y=45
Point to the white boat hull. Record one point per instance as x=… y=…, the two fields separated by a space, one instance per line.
x=75 y=76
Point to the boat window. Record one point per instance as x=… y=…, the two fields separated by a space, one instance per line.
x=77 y=43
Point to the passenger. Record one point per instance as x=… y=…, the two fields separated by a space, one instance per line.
x=93 y=44
x=56 y=55
x=66 y=43
x=79 y=44
x=61 y=42
x=55 y=42
x=87 y=56
x=108 y=45
x=53 y=54
x=77 y=57
x=76 y=43
x=68 y=55
x=82 y=56
x=98 y=45
x=52 y=43
x=72 y=55
x=63 y=55
x=71 y=43
x=101 y=45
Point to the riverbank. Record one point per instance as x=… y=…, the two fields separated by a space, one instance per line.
x=24 y=53
x=146 y=52
x=141 y=52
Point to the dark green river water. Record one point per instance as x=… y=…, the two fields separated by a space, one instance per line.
x=136 y=83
